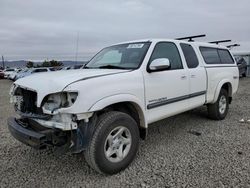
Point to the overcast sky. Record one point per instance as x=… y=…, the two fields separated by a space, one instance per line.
x=37 y=30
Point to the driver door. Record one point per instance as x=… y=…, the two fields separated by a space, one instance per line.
x=166 y=91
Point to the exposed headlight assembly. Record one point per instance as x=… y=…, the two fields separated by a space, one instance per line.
x=56 y=101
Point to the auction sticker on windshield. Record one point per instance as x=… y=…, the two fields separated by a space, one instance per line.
x=135 y=45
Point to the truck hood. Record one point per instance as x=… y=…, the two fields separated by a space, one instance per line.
x=56 y=81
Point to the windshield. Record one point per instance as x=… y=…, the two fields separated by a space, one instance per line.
x=123 y=56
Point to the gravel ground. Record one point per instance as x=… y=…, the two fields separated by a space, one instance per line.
x=187 y=150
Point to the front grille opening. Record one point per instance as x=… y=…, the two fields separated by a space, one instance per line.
x=28 y=101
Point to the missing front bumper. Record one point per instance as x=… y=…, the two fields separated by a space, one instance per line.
x=37 y=138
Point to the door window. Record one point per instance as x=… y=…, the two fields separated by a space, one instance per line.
x=170 y=51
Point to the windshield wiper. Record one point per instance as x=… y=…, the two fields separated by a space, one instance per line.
x=111 y=67
x=85 y=66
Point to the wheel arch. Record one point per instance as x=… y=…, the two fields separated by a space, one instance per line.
x=124 y=103
x=227 y=85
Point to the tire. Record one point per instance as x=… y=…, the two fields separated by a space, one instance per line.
x=97 y=150
x=214 y=111
x=244 y=75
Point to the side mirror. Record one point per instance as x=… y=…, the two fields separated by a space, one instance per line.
x=159 y=64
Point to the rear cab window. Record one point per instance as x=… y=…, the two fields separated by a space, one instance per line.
x=190 y=55
x=216 y=55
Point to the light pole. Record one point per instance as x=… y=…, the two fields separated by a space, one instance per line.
x=3 y=62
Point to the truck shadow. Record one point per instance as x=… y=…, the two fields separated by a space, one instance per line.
x=175 y=124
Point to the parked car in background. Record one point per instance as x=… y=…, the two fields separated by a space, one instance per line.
x=8 y=71
x=19 y=74
x=1 y=74
x=242 y=65
x=56 y=68
x=13 y=75
x=66 y=68
x=32 y=71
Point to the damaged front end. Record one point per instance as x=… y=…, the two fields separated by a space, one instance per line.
x=45 y=126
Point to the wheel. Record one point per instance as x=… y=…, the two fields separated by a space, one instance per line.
x=114 y=144
x=219 y=109
x=244 y=74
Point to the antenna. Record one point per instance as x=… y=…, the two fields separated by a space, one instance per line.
x=77 y=40
x=3 y=62
x=220 y=41
x=190 y=38
x=233 y=45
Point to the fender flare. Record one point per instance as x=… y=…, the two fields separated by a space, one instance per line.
x=113 y=99
x=218 y=89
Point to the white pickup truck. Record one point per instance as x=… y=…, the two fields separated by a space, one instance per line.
x=105 y=108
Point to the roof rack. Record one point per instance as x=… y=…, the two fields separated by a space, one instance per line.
x=220 y=41
x=233 y=45
x=190 y=38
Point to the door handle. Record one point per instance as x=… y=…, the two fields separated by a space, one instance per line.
x=193 y=76
x=183 y=77
x=235 y=77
